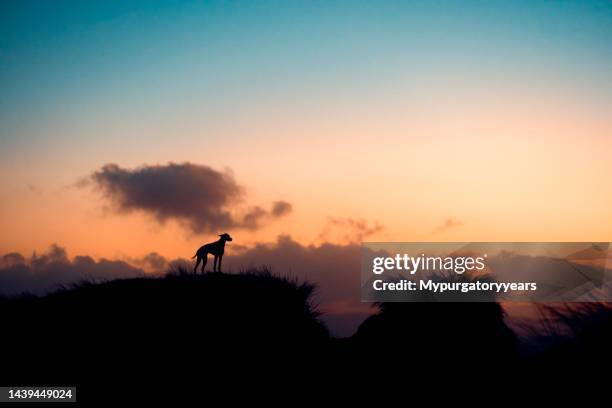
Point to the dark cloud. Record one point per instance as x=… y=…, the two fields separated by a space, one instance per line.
x=43 y=273
x=348 y=230
x=280 y=208
x=253 y=217
x=197 y=196
x=11 y=259
x=152 y=262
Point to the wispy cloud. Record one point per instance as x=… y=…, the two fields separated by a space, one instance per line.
x=448 y=224
x=348 y=230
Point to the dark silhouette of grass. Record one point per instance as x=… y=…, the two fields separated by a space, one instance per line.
x=578 y=336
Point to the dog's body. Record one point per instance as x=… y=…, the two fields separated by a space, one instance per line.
x=216 y=249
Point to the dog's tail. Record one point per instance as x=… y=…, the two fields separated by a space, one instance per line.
x=194 y=255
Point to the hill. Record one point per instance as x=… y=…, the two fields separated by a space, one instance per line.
x=161 y=329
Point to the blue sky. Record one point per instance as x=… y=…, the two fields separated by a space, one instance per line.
x=64 y=58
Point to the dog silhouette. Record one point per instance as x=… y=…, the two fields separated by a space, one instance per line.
x=216 y=249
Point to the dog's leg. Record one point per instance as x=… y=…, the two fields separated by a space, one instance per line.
x=220 y=259
x=204 y=260
x=195 y=268
x=215 y=263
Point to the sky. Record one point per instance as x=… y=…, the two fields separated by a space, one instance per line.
x=131 y=127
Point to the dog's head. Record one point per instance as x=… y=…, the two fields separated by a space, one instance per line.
x=225 y=237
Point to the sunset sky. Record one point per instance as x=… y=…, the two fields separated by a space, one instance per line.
x=388 y=121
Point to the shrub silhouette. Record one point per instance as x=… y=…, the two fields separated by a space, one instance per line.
x=447 y=333
x=432 y=333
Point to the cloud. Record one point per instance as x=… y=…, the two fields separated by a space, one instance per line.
x=449 y=223
x=348 y=230
x=252 y=219
x=255 y=216
x=152 y=262
x=42 y=273
x=197 y=196
x=280 y=208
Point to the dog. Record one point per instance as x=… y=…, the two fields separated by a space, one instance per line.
x=216 y=249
